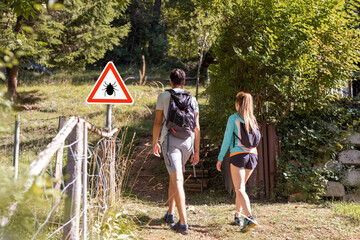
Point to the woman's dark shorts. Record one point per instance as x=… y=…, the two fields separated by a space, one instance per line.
x=244 y=160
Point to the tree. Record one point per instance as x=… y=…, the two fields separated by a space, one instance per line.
x=289 y=54
x=157 y=43
x=17 y=36
x=188 y=25
x=147 y=34
x=166 y=32
x=81 y=32
x=66 y=36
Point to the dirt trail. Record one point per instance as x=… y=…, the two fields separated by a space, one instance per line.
x=145 y=176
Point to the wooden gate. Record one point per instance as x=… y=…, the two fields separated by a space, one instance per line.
x=262 y=182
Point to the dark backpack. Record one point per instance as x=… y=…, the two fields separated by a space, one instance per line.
x=248 y=139
x=181 y=114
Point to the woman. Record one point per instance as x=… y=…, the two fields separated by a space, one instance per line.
x=243 y=160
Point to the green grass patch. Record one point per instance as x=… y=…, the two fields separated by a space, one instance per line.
x=44 y=98
x=348 y=210
x=214 y=220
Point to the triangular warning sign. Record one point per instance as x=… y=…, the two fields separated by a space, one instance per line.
x=109 y=88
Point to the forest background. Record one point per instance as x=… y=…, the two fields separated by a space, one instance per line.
x=294 y=57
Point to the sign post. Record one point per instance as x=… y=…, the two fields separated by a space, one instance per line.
x=108 y=116
x=110 y=89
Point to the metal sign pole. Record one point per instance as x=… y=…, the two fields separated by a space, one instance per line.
x=108 y=116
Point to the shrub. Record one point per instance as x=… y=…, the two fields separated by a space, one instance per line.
x=310 y=138
x=286 y=53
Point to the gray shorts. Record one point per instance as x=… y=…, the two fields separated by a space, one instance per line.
x=177 y=154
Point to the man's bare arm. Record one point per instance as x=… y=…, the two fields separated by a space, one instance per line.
x=156 y=132
x=197 y=141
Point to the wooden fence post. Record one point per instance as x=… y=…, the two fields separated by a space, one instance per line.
x=73 y=170
x=59 y=162
x=16 y=145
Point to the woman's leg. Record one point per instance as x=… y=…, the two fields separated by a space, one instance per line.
x=242 y=200
x=248 y=173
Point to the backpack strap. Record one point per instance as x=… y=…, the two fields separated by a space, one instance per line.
x=235 y=136
x=171 y=91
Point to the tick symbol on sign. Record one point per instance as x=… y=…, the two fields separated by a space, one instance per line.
x=110 y=89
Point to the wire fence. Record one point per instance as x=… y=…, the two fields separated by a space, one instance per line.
x=34 y=136
x=69 y=201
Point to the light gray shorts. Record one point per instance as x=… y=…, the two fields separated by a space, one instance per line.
x=177 y=154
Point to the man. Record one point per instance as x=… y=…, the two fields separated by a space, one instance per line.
x=176 y=151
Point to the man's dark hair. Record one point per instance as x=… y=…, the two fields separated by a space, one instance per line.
x=177 y=76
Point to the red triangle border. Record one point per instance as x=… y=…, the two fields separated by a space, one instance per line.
x=110 y=66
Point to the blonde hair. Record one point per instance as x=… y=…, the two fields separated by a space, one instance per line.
x=246 y=110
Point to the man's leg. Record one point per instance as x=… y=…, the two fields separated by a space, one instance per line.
x=171 y=197
x=177 y=180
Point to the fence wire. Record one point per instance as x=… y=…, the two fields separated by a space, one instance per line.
x=107 y=166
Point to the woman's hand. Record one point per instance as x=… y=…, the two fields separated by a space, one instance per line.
x=218 y=166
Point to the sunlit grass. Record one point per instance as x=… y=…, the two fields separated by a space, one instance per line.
x=44 y=102
x=349 y=210
x=214 y=220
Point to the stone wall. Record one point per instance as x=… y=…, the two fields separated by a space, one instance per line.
x=351 y=178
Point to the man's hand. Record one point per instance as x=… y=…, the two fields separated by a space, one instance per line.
x=156 y=149
x=218 y=166
x=195 y=158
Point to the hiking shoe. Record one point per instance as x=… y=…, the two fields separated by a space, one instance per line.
x=238 y=221
x=180 y=228
x=169 y=218
x=248 y=224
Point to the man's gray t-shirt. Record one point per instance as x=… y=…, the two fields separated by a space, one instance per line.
x=162 y=103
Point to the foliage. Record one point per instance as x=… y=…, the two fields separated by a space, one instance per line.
x=289 y=54
x=350 y=211
x=81 y=32
x=115 y=226
x=67 y=36
x=22 y=223
x=8 y=59
x=5 y=108
x=170 y=40
x=140 y=16
x=309 y=139
x=17 y=34
x=188 y=23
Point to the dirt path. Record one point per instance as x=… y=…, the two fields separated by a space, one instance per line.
x=147 y=173
x=210 y=214
x=214 y=221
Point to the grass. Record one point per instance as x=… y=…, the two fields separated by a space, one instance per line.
x=349 y=211
x=213 y=220
x=44 y=99
x=210 y=214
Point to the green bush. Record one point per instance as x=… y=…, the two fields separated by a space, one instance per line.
x=286 y=53
x=32 y=205
x=311 y=138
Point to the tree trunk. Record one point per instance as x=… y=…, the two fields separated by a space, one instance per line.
x=157 y=10
x=14 y=71
x=199 y=65
x=155 y=27
x=12 y=82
